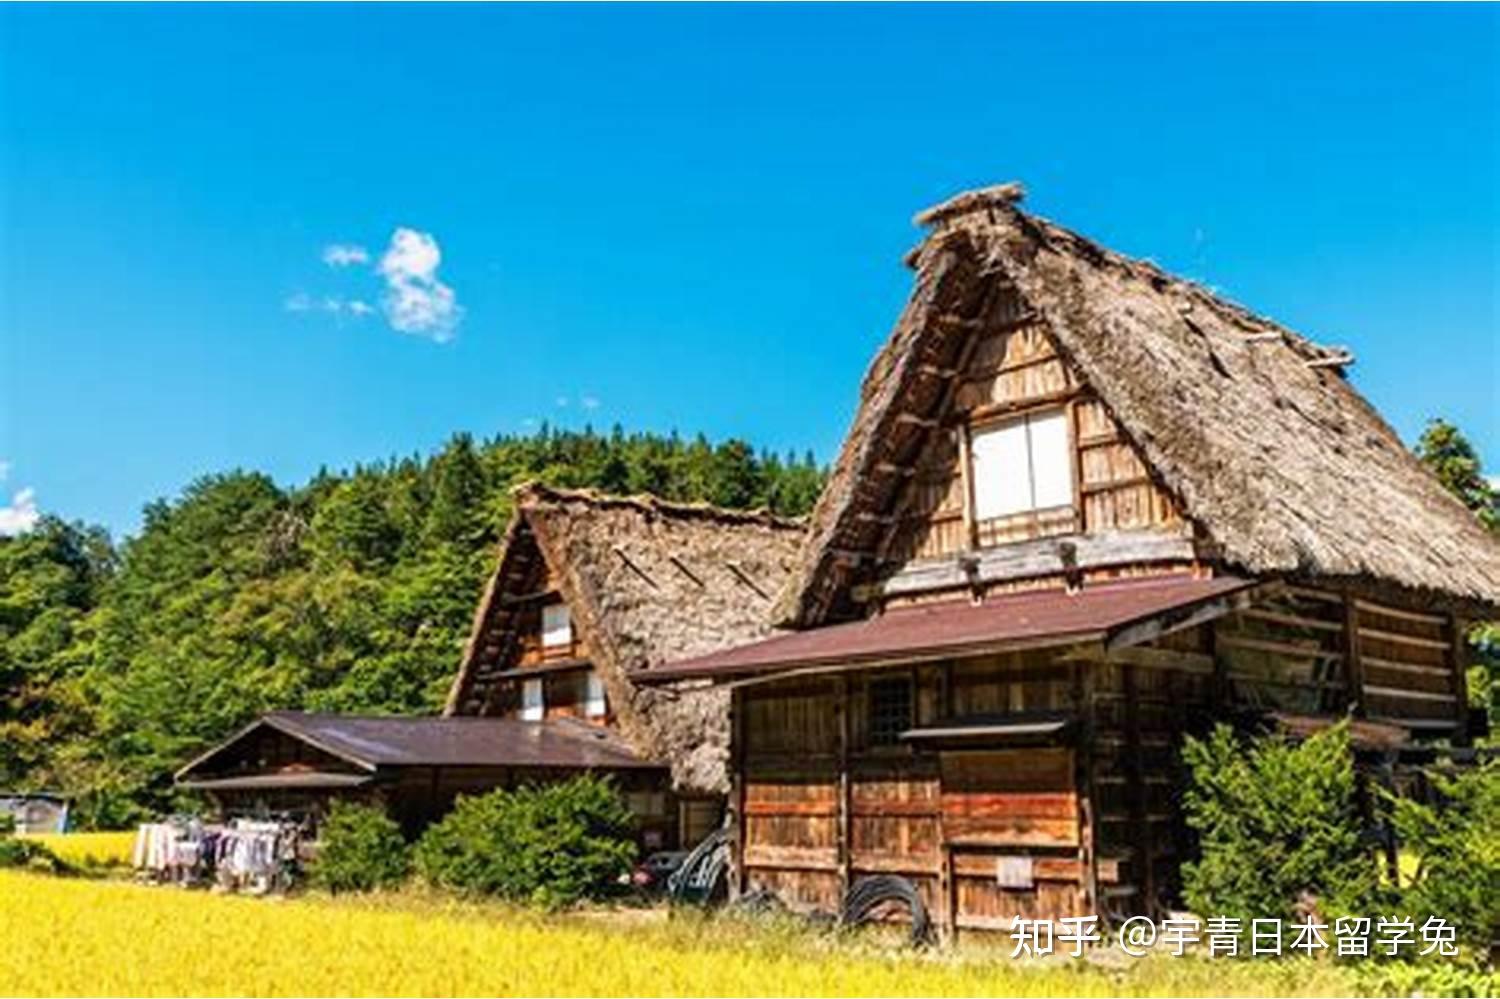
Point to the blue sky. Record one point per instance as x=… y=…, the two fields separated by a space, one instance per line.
x=677 y=217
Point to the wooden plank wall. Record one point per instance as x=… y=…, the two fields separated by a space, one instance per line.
x=820 y=806
x=1012 y=369
x=1319 y=650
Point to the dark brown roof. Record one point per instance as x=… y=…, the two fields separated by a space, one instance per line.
x=1255 y=429
x=297 y=779
x=371 y=742
x=958 y=627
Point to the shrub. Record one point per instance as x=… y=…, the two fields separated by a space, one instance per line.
x=1276 y=821
x=359 y=849
x=551 y=845
x=1457 y=846
x=7 y=823
x=26 y=853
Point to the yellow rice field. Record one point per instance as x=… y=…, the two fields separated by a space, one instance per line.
x=73 y=936
x=88 y=847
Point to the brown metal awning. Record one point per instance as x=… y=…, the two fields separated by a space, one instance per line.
x=309 y=780
x=1115 y=614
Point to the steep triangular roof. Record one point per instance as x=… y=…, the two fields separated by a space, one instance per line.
x=648 y=582
x=1280 y=463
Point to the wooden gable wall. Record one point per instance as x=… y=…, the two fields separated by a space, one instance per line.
x=1012 y=368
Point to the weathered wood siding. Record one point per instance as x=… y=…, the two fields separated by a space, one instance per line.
x=820 y=804
x=1011 y=370
x=1094 y=818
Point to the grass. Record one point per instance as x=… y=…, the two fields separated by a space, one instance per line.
x=99 y=849
x=90 y=937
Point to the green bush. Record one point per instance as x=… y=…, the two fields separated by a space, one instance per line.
x=1276 y=823
x=30 y=854
x=551 y=845
x=359 y=849
x=1457 y=845
x=7 y=823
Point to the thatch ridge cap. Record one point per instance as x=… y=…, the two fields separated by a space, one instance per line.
x=533 y=494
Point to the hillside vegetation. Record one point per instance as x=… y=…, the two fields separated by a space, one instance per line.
x=351 y=592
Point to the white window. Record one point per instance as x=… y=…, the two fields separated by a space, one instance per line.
x=1022 y=464
x=533 y=705
x=557 y=627
x=595 y=704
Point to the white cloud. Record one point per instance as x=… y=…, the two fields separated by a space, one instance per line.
x=358 y=308
x=415 y=300
x=345 y=255
x=300 y=302
x=21 y=516
x=588 y=402
x=4 y=470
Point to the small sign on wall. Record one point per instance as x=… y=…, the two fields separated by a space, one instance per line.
x=1014 y=872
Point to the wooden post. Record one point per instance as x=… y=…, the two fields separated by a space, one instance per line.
x=1083 y=765
x=1457 y=655
x=966 y=471
x=842 y=709
x=738 y=876
x=1140 y=814
x=948 y=897
x=1354 y=670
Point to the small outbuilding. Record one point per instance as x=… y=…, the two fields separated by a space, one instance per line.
x=293 y=763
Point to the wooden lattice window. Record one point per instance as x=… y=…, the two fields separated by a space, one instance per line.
x=890 y=710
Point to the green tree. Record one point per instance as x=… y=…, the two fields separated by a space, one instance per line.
x=351 y=592
x=1453 y=459
x=1455 y=462
x=1276 y=823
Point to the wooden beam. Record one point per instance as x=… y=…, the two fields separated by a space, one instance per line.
x=912 y=419
x=1174 y=619
x=903 y=497
x=1337 y=359
x=1088 y=851
x=891 y=468
x=1457 y=656
x=1148 y=657
x=1140 y=817
x=1397 y=638
x=934 y=371
x=738 y=875
x=966 y=472
x=844 y=846
x=1354 y=670
x=1410 y=694
x=1041 y=557
x=1018 y=407
x=1400 y=614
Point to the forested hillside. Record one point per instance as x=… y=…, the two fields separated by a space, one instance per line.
x=353 y=592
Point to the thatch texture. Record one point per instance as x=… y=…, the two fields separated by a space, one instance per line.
x=648 y=582
x=1278 y=461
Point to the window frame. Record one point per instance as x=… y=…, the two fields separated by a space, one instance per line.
x=594 y=682
x=553 y=649
x=1024 y=419
x=537 y=711
x=877 y=737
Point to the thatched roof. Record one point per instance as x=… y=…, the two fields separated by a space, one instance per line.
x=648 y=582
x=1275 y=457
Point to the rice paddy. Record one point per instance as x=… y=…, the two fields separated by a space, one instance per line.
x=88 y=848
x=68 y=936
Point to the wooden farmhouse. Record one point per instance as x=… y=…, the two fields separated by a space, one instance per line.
x=1084 y=509
x=588 y=591
x=591 y=591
